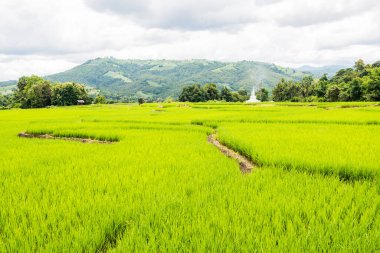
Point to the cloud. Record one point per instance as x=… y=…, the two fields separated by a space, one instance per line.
x=11 y=68
x=219 y=14
x=184 y=15
x=44 y=36
x=299 y=13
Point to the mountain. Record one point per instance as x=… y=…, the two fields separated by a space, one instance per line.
x=330 y=70
x=162 y=78
x=131 y=79
x=7 y=87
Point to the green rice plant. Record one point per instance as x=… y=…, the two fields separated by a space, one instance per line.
x=164 y=188
x=350 y=151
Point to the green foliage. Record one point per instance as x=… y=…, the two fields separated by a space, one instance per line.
x=5 y=101
x=25 y=82
x=33 y=92
x=262 y=95
x=36 y=92
x=211 y=92
x=286 y=91
x=305 y=86
x=373 y=87
x=360 y=83
x=226 y=95
x=193 y=93
x=241 y=95
x=169 y=100
x=100 y=99
x=332 y=94
x=376 y=64
x=359 y=65
x=141 y=101
x=355 y=89
x=64 y=94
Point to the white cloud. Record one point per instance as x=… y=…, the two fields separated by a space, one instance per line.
x=44 y=36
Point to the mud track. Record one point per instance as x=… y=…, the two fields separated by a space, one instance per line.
x=48 y=136
x=246 y=165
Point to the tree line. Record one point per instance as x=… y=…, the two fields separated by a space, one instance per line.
x=36 y=92
x=360 y=83
x=209 y=92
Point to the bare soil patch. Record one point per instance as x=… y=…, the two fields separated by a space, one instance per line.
x=49 y=136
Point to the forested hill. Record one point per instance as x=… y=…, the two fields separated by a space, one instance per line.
x=317 y=72
x=162 y=78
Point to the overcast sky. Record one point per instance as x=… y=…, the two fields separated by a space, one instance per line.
x=45 y=36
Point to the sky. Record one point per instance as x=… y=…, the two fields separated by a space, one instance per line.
x=44 y=36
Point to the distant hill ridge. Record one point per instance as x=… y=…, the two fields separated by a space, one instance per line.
x=319 y=71
x=154 y=79
x=162 y=78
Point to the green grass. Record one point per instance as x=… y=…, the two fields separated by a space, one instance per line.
x=163 y=188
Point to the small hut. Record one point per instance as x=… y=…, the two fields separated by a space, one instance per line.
x=80 y=102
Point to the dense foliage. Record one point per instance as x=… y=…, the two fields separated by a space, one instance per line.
x=360 y=83
x=36 y=92
x=5 y=101
x=69 y=93
x=100 y=99
x=210 y=92
x=262 y=95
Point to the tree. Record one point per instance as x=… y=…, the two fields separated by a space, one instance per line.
x=376 y=64
x=358 y=84
x=373 y=89
x=5 y=101
x=100 y=99
x=193 y=93
x=243 y=95
x=65 y=94
x=211 y=92
x=344 y=94
x=26 y=82
x=332 y=93
x=226 y=94
x=305 y=86
x=33 y=91
x=359 y=65
x=320 y=87
x=262 y=95
x=279 y=91
x=39 y=95
x=140 y=101
x=355 y=90
x=168 y=100
x=286 y=91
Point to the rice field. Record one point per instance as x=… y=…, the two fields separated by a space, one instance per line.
x=161 y=187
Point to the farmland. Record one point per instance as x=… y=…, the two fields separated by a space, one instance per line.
x=159 y=186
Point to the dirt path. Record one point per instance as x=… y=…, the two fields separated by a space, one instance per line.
x=48 y=136
x=246 y=165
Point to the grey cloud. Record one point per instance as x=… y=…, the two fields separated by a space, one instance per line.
x=184 y=15
x=119 y=6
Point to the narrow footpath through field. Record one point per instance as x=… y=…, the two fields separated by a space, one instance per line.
x=245 y=164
